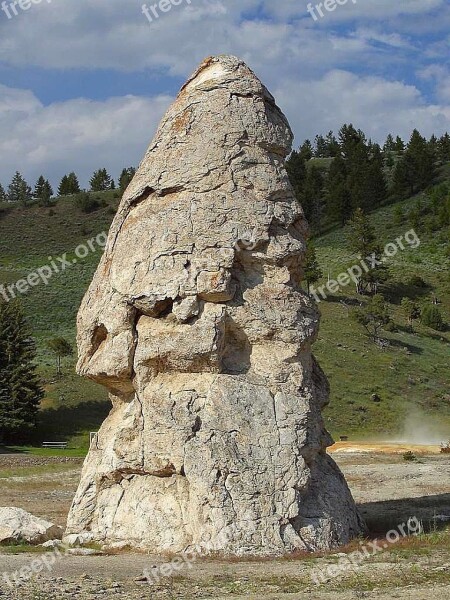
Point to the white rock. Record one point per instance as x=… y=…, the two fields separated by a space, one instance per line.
x=53 y=544
x=216 y=440
x=19 y=526
x=83 y=552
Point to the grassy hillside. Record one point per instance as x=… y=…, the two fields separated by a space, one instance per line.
x=410 y=376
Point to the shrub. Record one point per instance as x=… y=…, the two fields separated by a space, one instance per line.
x=418 y=282
x=86 y=203
x=431 y=317
x=409 y=456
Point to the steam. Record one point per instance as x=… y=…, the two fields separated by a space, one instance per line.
x=421 y=429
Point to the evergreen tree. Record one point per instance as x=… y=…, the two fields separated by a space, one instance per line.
x=416 y=169
x=444 y=148
x=69 y=185
x=431 y=317
x=19 y=191
x=306 y=150
x=320 y=147
x=351 y=140
x=433 y=146
x=333 y=148
x=20 y=392
x=374 y=316
x=422 y=158
x=363 y=243
x=125 y=178
x=339 y=202
x=43 y=191
x=73 y=185
x=403 y=178
x=296 y=169
x=312 y=198
x=399 y=145
x=357 y=172
x=312 y=271
x=376 y=191
x=3 y=196
x=60 y=347
x=389 y=144
x=63 y=186
x=100 y=181
x=411 y=310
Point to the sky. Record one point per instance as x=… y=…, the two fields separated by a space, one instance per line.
x=84 y=83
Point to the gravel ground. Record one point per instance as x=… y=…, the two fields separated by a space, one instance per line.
x=388 y=490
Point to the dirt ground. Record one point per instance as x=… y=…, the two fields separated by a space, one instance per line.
x=388 y=490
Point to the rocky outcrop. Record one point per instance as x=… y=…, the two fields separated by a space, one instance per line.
x=20 y=527
x=197 y=324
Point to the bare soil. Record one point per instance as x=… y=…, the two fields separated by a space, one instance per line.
x=388 y=489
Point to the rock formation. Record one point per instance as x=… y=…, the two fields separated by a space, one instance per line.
x=18 y=526
x=196 y=323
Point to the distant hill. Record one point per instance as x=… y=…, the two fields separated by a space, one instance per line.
x=410 y=377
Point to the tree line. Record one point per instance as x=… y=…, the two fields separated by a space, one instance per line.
x=336 y=175
x=20 y=192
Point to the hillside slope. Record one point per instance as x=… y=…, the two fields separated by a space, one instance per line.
x=411 y=375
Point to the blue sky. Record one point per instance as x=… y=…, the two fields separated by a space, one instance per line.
x=84 y=83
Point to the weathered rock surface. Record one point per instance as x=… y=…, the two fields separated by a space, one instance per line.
x=197 y=324
x=19 y=526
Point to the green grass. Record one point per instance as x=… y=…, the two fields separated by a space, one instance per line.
x=36 y=470
x=410 y=376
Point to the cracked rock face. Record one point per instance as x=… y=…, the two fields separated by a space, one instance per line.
x=197 y=324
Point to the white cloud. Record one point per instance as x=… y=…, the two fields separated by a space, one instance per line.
x=79 y=135
x=373 y=104
x=308 y=65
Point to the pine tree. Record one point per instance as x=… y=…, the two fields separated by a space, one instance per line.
x=306 y=150
x=421 y=156
x=100 y=181
x=60 y=347
x=296 y=169
x=339 y=202
x=19 y=190
x=312 y=198
x=3 y=196
x=311 y=271
x=374 y=316
x=63 y=189
x=444 y=148
x=403 y=178
x=376 y=190
x=411 y=311
x=363 y=243
x=320 y=147
x=73 y=185
x=350 y=140
x=69 y=185
x=43 y=191
x=399 y=145
x=20 y=391
x=333 y=148
x=389 y=144
x=125 y=178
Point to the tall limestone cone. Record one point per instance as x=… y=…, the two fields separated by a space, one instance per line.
x=196 y=323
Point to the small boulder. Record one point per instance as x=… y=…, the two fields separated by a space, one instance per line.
x=19 y=526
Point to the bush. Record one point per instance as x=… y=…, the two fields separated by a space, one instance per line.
x=431 y=317
x=86 y=203
x=409 y=456
x=418 y=282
